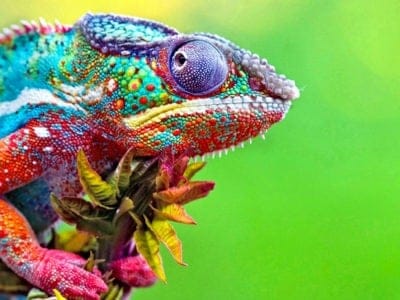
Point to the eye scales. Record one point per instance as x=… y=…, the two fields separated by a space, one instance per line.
x=109 y=83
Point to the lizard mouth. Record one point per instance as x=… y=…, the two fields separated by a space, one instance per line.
x=206 y=125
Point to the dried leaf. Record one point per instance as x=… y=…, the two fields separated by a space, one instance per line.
x=166 y=234
x=100 y=192
x=81 y=213
x=185 y=193
x=73 y=207
x=148 y=246
x=174 y=212
x=68 y=208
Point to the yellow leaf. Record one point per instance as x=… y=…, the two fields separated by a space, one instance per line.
x=148 y=246
x=100 y=192
x=174 y=212
x=58 y=295
x=192 y=169
x=166 y=234
x=73 y=241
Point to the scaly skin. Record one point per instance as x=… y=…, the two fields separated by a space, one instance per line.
x=106 y=84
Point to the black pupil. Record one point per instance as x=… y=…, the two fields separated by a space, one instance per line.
x=180 y=59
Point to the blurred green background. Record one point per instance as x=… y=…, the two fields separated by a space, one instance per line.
x=313 y=212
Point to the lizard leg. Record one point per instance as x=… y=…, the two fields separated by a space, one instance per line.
x=16 y=164
x=25 y=155
x=43 y=268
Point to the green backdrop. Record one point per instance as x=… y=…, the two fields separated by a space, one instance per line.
x=313 y=212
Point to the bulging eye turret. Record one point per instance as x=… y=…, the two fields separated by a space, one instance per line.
x=198 y=67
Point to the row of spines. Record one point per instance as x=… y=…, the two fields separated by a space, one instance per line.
x=28 y=27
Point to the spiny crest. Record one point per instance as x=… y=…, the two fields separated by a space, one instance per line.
x=31 y=27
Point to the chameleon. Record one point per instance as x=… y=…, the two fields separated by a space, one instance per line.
x=106 y=84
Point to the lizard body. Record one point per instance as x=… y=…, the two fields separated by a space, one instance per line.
x=104 y=85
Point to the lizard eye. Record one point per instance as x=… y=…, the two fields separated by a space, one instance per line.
x=198 y=67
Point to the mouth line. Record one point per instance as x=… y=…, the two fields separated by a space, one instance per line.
x=249 y=103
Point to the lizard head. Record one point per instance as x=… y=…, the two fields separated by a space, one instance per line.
x=197 y=93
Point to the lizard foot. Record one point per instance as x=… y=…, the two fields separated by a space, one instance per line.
x=63 y=271
x=133 y=270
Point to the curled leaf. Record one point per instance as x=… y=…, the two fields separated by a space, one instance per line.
x=100 y=192
x=148 y=246
x=167 y=235
x=185 y=193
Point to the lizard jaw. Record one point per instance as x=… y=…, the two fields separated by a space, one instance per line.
x=206 y=125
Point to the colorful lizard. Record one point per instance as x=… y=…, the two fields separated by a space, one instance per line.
x=103 y=85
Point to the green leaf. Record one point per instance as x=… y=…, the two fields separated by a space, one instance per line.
x=173 y=212
x=167 y=235
x=35 y=294
x=100 y=192
x=148 y=246
x=185 y=193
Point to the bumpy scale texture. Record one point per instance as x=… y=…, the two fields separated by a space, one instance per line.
x=104 y=85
